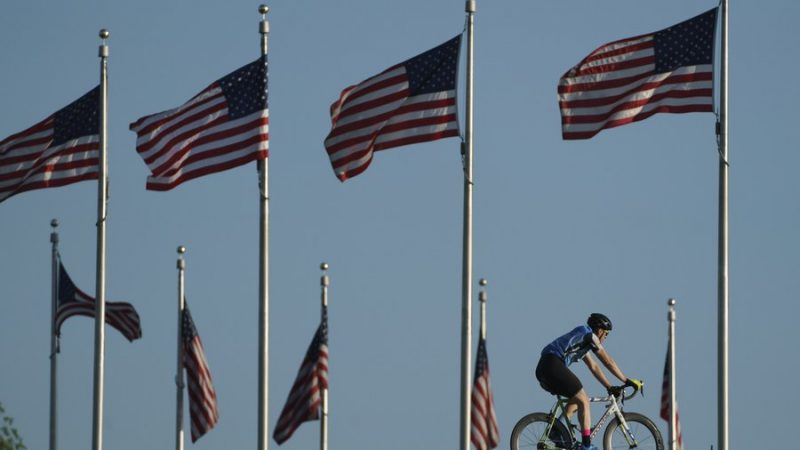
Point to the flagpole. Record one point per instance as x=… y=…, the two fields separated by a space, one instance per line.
x=673 y=420
x=483 y=297
x=179 y=380
x=100 y=294
x=323 y=422
x=54 y=341
x=722 y=277
x=263 y=285
x=466 y=274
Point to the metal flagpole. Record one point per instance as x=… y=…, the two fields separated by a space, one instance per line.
x=323 y=422
x=483 y=297
x=100 y=294
x=673 y=411
x=466 y=274
x=263 y=285
x=722 y=277
x=179 y=384
x=54 y=341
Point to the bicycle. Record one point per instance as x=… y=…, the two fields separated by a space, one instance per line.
x=553 y=431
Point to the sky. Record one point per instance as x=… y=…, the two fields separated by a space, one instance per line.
x=616 y=224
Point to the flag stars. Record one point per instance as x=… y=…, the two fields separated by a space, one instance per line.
x=79 y=118
x=434 y=70
x=687 y=43
x=246 y=89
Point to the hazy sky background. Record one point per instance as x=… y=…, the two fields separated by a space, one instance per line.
x=616 y=224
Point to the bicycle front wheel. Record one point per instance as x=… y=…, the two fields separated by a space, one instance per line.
x=643 y=434
x=531 y=433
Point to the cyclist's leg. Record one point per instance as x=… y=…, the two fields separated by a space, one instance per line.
x=580 y=401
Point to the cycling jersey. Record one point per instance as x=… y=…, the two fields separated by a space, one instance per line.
x=574 y=345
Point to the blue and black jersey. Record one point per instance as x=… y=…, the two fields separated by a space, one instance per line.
x=574 y=345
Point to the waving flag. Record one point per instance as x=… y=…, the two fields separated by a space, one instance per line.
x=414 y=101
x=61 y=149
x=202 y=396
x=485 y=433
x=74 y=302
x=631 y=79
x=224 y=126
x=303 y=403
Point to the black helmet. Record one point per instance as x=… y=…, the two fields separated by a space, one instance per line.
x=597 y=321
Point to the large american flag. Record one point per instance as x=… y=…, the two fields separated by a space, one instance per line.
x=631 y=79
x=414 y=101
x=665 y=403
x=60 y=150
x=202 y=396
x=485 y=432
x=72 y=301
x=224 y=126
x=305 y=398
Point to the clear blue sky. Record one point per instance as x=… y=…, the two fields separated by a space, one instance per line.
x=617 y=224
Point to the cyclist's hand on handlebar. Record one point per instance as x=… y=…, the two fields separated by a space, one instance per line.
x=638 y=385
x=616 y=391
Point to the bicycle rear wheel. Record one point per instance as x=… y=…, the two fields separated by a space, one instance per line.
x=644 y=433
x=529 y=434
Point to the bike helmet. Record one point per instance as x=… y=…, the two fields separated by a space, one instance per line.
x=597 y=321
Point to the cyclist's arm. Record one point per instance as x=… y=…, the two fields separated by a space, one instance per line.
x=596 y=371
x=609 y=362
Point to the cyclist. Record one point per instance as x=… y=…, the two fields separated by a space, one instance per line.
x=555 y=377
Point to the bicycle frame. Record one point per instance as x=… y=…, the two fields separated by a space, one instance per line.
x=612 y=408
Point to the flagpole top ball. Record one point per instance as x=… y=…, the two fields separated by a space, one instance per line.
x=323 y=266
x=54 y=223
x=263 y=9
x=104 y=34
x=483 y=282
x=671 y=302
x=181 y=249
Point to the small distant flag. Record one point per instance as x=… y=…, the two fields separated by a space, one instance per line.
x=61 y=149
x=202 y=396
x=485 y=432
x=303 y=403
x=74 y=302
x=224 y=126
x=414 y=101
x=631 y=79
x=665 y=402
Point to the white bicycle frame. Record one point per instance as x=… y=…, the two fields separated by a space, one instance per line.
x=612 y=408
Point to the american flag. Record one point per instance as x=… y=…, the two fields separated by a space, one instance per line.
x=202 y=396
x=60 y=150
x=72 y=301
x=485 y=432
x=303 y=403
x=631 y=79
x=224 y=126
x=414 y=101
x=665 y=402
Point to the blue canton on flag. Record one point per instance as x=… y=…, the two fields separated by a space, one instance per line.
x=688 y=43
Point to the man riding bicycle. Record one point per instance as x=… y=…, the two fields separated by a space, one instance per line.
x=555 y=377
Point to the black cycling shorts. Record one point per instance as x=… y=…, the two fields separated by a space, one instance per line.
x=556 y=378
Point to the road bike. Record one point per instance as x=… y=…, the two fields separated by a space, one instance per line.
x=554 y=431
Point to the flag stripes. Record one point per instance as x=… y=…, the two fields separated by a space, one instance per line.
x=224 y=126
x=202 y=396
x=631 y=79
x=72 y=301
x=303 y=402
x=485 y=433
x=414 y=101
x=60 y=150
